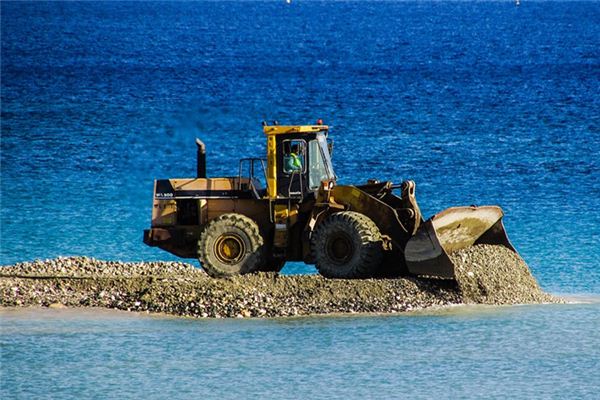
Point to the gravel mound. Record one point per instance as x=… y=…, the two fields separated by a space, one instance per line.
x=488 y=274
x=485 y=274
x=181 y=289
x=86 y=267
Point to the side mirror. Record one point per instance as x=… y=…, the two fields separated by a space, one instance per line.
x=330 y=147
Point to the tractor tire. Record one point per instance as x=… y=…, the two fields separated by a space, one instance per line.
x=347 y=245
x=231 y=244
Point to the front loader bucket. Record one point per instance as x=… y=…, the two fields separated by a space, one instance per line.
x=455 y=228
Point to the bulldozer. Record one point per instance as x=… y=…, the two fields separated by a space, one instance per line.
x=289 y=207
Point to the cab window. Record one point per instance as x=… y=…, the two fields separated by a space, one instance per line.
x=294 y=156
x=317 y=169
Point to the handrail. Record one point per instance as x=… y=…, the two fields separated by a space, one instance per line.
x=251 y=161
x=301 y=192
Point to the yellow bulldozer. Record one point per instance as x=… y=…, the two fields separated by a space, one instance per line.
x=289 y=207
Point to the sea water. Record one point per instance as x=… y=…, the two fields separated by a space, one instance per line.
x=478 y=102
x=537 y=352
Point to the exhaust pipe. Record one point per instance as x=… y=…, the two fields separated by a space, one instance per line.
x=200 y=159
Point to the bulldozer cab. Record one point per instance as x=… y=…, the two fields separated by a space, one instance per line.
x=298 y=160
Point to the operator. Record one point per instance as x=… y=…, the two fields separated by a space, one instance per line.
x=293 y=163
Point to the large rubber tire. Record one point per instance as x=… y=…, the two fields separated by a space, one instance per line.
x=231 y=244
x=347 y=245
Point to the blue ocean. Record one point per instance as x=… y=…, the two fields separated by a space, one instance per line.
x=478 y=102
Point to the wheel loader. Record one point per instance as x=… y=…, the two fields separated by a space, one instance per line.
x=289 y=207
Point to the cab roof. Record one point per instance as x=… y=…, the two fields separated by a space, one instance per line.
x=283 y=129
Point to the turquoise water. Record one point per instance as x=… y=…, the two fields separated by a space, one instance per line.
x=478 y=102
x=536 y=352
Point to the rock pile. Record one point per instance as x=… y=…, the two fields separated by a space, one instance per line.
x=181 y=289
x=90 y=267
x=485 y=274
x=489 y=274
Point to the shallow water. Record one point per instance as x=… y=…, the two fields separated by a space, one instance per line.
x=479 y=102
x=463 y=352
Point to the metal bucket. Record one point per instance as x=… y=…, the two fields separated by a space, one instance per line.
x=426 y=253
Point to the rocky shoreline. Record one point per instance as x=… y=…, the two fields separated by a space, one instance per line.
x=182 y=289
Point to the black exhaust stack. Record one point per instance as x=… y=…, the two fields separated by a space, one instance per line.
x=200 y=159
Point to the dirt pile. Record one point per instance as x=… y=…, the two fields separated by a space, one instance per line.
x=489 y=274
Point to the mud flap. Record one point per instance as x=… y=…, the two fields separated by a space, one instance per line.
x=426 y=253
